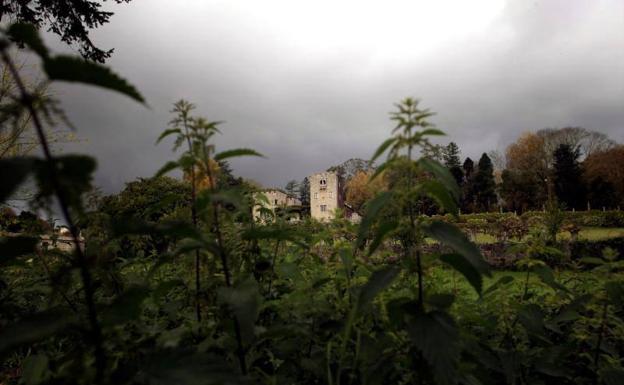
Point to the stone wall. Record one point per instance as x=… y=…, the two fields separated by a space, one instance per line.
x=325 y=195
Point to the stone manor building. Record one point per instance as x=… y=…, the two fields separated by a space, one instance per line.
x=325 y=195
x=279 y=203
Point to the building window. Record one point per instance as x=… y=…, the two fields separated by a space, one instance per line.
x=276 y=202
x=315 y=195
x=323 y=208
x=330 y=194
x=323 y=184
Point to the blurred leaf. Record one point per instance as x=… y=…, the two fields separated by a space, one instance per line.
x=377 y=282
x=243 y=300
x=612 y=376
x=615 y=292
x=35 y=369
x=167 y=167
x=438 y=192
x=184 y=366
x=126 y=307
x=383 y=230
x=383 y=147
x=11 y=247
x=34 y=328
x=27 y=34
x=435 y=335
x=502 y=281
x=373 y=208
x=168 y=132
x=13 y=171
x=464 y=267
x=432 y=132
x=442 y=174
x=451 y=236
x=74 y=69
x=545 y=273
x=440 y=301
x=236 y=153
x=532 y=318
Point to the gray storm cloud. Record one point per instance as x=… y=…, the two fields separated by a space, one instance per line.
x=310 y=84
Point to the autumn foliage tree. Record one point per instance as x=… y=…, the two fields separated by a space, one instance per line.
x=607 y=167
x=360 y=189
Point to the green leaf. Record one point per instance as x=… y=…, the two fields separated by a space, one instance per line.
x=378 y=281
x=28 y=34
x=13 y=171
x=383 y=229
x=615 y=293
x=545 y=273
x=35 y=369
x=34 y=328
x=382 y=148
x=243 y=300
x=464 y=267
x=612 y=376
x=432 y=132
x=502 y=281
x=168 y=132
x=373 y=208
x=441 y=301
x=126 y=307
x=438 y=192
x=435 y=335
x=442 y=174
x=236 y=153
x=450 y=235
x=11 y=247
x=532 y=318
x=74 y=69
x=169 y=166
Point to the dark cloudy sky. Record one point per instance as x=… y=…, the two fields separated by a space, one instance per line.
x=310 y=83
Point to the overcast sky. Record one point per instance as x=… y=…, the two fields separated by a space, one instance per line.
x=310 y=83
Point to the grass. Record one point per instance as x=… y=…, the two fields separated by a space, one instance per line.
x=586 y=233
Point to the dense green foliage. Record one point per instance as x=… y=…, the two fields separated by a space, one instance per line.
x=207 y=295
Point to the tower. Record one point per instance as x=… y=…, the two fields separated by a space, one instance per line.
x=325 y=195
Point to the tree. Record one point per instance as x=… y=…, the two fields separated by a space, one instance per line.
x=452 y=162
x=292 y=188
x=518 y=191
x=484 y=186
x=360 y=189
x=468 y=167
x=69 y=19
x=567 y=175
x=304 y=192
x=347 y=169
x=601 y=193
x=607 y=165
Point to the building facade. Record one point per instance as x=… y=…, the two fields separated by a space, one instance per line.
x=278 y=202
x=325 y=195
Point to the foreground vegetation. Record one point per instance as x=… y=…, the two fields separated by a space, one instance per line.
x=188 y=288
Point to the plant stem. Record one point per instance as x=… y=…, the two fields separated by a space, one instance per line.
x=87 y=280
x=603 y=323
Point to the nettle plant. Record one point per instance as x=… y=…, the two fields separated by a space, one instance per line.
x=420 y=324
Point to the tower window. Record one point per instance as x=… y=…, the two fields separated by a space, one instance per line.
x=323 y=208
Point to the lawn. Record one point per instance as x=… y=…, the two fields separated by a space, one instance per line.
x=586 y=233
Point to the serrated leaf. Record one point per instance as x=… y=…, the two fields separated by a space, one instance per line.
x=546 y=275
x=236 y=153
x=34 y=328
x=35 y=369
x=28 y=34
x=126 y=307
x=438 y=192
x=74 y=69
x=383 y=230
x=11 y=247
x=432 y=132
x=442 y=174
x=243 y=300
x=464 y=267
x=13 y=171
x=382 y=148
x=502 y=281
x=168 y=167
x=377 y=282
x=168 y=132
x=373 y=208
x=435 y=335
x=532 y=318
x=451 y=236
